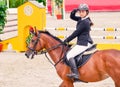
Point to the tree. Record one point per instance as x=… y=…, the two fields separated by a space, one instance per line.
x=16 y=3
x=3 y=15
x=44 y=2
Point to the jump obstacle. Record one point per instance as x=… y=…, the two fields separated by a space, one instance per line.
x=111 y=36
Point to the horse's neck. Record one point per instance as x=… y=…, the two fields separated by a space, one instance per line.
x=56 y=53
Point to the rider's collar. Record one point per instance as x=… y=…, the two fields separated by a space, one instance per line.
x=84 y=18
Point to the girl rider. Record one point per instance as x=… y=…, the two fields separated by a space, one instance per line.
x=83 y=37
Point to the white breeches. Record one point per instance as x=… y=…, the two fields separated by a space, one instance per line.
x=77 y=49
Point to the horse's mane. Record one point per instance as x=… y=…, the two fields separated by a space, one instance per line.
x=48 y=33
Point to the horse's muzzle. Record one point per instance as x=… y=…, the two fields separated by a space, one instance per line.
x=28 y=53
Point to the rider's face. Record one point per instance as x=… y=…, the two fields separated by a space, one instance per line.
x=83 y=13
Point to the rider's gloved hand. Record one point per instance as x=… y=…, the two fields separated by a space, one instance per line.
x=75 y=10
x=65 y=42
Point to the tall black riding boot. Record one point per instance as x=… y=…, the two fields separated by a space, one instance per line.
x=74 y=69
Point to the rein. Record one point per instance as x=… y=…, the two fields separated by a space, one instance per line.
x=52 y=48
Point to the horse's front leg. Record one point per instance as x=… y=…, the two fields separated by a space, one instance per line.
x=67 y=84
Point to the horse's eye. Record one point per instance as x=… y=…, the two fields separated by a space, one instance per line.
x=32 y=40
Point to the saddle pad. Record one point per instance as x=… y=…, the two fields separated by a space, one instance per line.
x=90 y=52
x=81 y=60
x=83 y=57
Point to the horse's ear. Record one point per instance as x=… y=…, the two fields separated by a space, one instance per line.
x=35 y=31
x=31 y=30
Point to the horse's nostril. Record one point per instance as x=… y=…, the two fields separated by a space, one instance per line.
x=26 y=55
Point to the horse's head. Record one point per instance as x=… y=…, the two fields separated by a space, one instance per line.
x=43 y=39
x=35 y=45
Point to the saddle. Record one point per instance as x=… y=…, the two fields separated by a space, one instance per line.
x=83 y=57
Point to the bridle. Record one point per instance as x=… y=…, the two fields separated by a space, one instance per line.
x=45 y=51
x=33 y=51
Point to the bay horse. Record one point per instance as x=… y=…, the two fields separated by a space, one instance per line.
x=101 y=65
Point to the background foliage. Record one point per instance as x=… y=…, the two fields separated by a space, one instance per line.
x=16 y=3
x=3 y=14
x=44 y=2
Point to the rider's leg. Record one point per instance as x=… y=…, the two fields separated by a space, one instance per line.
x=74 y=69
x=77 y=49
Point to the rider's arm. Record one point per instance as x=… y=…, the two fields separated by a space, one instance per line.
x=73 y=16
x=77 y=32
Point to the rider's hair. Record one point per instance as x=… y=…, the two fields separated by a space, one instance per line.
x=91 y=23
